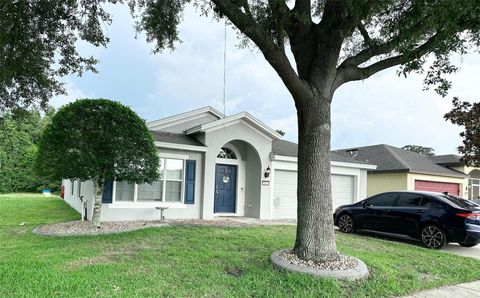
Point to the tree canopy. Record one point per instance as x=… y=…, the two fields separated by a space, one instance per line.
x=20 y=132
x=467 y=114
x=427 y=151
x=93 y=138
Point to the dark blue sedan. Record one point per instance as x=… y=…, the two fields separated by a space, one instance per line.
x=434 y=218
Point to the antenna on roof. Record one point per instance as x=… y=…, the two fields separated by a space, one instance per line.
x=224 y=69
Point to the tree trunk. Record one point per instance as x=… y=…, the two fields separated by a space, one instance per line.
x=97 y=206
x=315 y=238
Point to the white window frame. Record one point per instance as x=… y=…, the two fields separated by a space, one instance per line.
x=139 y=204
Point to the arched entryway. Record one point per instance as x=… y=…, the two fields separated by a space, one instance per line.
x=237 y=180
x=474 y=185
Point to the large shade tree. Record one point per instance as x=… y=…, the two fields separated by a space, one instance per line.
x=332 y=42
x=98 y=140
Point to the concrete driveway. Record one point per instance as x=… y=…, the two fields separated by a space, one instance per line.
x=473 y=252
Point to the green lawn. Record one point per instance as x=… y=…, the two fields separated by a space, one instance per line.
x=186 y=261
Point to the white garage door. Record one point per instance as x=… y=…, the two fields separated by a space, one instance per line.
x=285 y=193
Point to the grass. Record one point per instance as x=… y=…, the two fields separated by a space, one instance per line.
x=194 y=261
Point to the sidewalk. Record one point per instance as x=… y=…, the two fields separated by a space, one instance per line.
x=458 y=291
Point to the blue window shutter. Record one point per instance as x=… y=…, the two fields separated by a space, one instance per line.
x=190 y=182
x=107 y=192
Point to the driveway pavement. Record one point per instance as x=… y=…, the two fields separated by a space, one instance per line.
x=473 y=252
x=469 y=290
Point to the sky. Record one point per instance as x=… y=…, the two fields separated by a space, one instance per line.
x=384 y=109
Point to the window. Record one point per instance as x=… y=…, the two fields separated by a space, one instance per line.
x=386 y=199
x=227 y=153
x=168 y=188
x=173 y=180
x=411 y=200
x=124 y=191
x=150 y=192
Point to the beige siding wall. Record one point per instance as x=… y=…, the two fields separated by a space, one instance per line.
x=378 y=183
x=412 y=177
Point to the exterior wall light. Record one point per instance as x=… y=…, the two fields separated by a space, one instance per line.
x=267 y=172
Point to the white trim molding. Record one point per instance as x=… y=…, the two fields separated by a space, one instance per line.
x=145 y=205
x=191 y=115
x=180 y=146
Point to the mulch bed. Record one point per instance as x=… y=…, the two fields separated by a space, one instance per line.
x=78 y=227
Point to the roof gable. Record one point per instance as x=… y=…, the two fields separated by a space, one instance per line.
x=184 y=121
x=234 y=119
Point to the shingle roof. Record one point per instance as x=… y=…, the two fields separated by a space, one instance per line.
x=175 y=138
x=286 y=148
x=447 y=159
x=393 y=159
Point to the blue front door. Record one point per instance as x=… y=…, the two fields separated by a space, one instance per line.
x=225 y=188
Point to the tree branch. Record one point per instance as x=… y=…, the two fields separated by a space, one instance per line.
x=272 y=53
x=355 y=73
x=364 y=32
x=380 y=49
x=282 y=15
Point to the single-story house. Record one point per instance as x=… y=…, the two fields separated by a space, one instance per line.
x=213 y=165
x=454 y=162
x=398 y=169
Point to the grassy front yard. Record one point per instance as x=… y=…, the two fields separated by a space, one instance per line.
x=182 y=261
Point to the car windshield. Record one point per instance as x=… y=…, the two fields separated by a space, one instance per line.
x=460 y=202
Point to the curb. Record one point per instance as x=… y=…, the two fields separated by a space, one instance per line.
x=357 y=273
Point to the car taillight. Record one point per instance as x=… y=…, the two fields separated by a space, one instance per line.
x=469 y=215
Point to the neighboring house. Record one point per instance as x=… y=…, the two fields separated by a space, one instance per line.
x=398 y=169
x=453 y=161
x=219 y=166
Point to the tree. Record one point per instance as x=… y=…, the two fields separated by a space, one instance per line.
x=332 y=42
x=99 y=140
x=280 y=132
x=20 y=131
x=467 y=115
x=427 y=151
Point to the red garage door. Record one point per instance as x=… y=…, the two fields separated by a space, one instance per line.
x=451 y=188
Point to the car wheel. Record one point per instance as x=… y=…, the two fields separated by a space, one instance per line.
x=433 y=237
x=468 y=244
x=345 y=224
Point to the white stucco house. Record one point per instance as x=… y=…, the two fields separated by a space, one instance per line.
x=212 y=166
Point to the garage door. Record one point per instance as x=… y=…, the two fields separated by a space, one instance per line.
x=285 y=193
x=451 y=188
